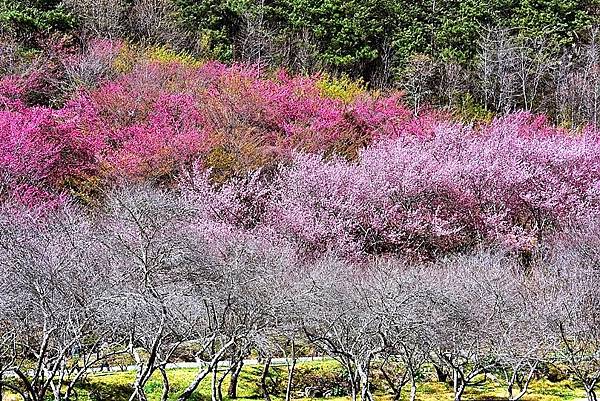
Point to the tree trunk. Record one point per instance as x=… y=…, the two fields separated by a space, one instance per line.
x=214 y=383
x=525 y=385
x=263 y=379
x=365 y=392
x=290 y=376
x=165 y=381
x=220 y=387
x=395 y=387
x=351 y=377
x=232 y=366
x=354 y=383
x=138 y=393
x=56 y=393
x=398 y=394
x=363 y=372
x=413 y=388
x=459 y=391
x=233 y=384
x=30 y=394
x=187 y=393
x=145 y=369
x=442 y=376
x=455 y=381
x=290 y=380
x=509 y=389
x=138 y=390
x=202 y=373
x=591 y=394
x=140 y=381
x=354 y=391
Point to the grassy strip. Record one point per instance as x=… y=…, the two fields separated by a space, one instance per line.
x=116 y=386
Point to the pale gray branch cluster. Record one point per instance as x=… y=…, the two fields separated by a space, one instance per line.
x=144 y=278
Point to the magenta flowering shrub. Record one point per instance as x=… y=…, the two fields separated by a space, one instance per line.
x=159 y=116
x=171 y=136
x=36 y=77
x=40 y=154
x=12 y=89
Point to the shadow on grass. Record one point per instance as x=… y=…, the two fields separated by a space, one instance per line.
x=490 y=398
x=98 y=391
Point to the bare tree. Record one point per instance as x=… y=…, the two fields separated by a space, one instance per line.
x=521 y=343
x=253 y=42
x=56 y=288
x=577 y=83
x=243 y=307
x=534 y=65
x=100 y=18
x=453 y=82
x=154 y=22
x=418 y=80
x=570 y=303
x=338 y=320
x=146 y=232
x=466 y=313
x=497 y=65
x=91 y=67
x=402 y=302
x=8 y=337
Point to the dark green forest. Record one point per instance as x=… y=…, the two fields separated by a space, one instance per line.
x=370 y=39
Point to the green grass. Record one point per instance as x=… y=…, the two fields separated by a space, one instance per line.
x=117 y=387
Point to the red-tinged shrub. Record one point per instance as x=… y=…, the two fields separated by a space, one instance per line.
x=235 y=120
x=20 y=91
x=173 y=137
x=92 y=66
x=11 y=93
x=170 y=136
x=39 y=153
x=290 y=113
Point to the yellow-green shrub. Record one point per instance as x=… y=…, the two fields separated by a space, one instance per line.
x=163 y=54
x=341 y=87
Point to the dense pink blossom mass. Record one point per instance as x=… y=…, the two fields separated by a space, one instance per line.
x=424 y=196
x=279 y=157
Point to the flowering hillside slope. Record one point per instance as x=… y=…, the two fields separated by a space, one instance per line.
x=358 y=174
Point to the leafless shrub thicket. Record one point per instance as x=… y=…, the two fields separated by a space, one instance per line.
x=147 y=21
x=513 y=73
x=8 y=56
